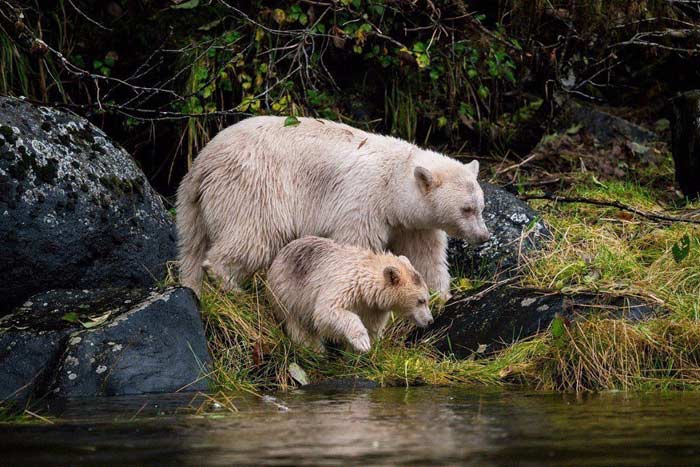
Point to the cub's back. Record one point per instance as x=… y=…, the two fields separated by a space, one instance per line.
x=299 y=261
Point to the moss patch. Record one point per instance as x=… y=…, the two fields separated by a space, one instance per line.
x=600 y=248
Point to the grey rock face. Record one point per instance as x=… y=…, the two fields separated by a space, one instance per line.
x=75 y=209
x=507 y=314
x=507 y=218
x=78 y=343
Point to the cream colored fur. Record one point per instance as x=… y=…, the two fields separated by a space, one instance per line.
x=321 y=289
x=258 y=185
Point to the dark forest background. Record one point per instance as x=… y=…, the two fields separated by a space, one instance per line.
x=480 y=77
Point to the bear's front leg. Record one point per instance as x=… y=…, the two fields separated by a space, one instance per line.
x=427 y=251
x=340 y=324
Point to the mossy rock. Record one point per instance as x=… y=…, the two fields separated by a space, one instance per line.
x=75 y=209
x=488 y=320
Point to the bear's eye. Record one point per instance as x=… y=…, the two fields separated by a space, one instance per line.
x=421 y=301
x=468 y=211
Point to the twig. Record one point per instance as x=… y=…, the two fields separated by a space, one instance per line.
x=483 y=292
x=519 y=164
x=81 y=13
x=548 y=181
x=36 y=415
x=614 y=204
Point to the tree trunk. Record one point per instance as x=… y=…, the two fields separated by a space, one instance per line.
x=685 y=126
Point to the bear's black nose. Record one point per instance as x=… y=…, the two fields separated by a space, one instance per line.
x=483 y=237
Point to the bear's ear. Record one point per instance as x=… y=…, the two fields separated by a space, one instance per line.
x=405 y=260
x=392 y=275
x=424 y=178
x=473 y=167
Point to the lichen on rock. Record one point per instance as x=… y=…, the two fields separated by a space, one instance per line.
x=75 y=209
x=515 y=229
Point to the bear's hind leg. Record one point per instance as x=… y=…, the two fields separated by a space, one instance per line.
x=230 y=277
x=228 y=267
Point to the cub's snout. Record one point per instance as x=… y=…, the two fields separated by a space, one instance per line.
x=482 y=236
x=422 y=317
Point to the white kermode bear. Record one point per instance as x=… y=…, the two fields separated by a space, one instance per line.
x=320 y=289
x=259 y=184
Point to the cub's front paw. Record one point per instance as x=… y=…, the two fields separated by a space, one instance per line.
x=360 y=342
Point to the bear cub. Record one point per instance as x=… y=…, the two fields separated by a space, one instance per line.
x=321 y=289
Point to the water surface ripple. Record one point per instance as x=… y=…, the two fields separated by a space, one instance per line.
x=415 y=426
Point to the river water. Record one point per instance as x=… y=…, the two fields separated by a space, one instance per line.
x=414 y=426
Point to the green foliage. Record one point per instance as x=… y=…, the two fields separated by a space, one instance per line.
x=681 y=249
x=291 y=121
x=558 y=327
x=104 y=65
x=186 y=5
x=400 y=113
x=14 y=67
x=71 y=317
x=291 y=58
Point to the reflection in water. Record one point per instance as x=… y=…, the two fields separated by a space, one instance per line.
x=381 y=426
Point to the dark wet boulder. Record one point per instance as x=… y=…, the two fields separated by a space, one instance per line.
x=515 y=229
x=685 y=129
x=489 y=320
x=76 y=343
x=26 y=360
x=75 y=209
x=603 y=126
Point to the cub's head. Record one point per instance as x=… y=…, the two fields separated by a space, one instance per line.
x=454 y=199
x=406 y=290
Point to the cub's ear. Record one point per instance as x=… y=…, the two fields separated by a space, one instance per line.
x=391 y=275
x=473 y=167
x=404 y=259
x=424 y=178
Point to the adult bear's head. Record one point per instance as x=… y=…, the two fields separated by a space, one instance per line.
x=452 y=196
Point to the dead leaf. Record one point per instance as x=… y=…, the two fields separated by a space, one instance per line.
x=625 y=216
x=298 y=374
x=258 y=355
x=96 y=321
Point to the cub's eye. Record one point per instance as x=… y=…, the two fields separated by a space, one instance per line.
x=467 y=211
x=421 y=302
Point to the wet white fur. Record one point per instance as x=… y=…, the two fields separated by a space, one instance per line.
x=320 y=289
x=258 y=185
